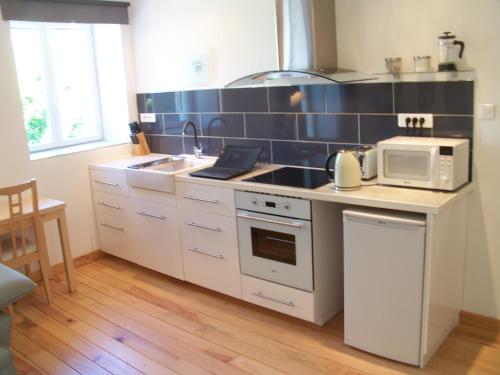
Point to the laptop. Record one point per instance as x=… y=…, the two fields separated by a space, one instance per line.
x=234 y=161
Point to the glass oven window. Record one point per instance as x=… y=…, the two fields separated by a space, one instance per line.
x=414 y=165
x=274 y=245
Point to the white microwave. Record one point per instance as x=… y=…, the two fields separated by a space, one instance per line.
x=430 y=163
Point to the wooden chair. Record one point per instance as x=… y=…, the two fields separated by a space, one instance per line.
x=15 y=248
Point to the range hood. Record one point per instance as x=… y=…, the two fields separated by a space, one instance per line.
x=307 y=47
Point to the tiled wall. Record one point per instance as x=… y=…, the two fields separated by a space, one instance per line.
x=301 y=125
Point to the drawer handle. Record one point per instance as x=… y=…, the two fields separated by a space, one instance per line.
x=151 y=215
x=196 y=250
x=193 y=224
x=201 y=199
x=247 y=216
x=105 y=183
x=109 y=205
x=111 y=227
x=279 y=240
x=260 y=295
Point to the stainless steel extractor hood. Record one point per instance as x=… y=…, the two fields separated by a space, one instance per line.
x=307 y=47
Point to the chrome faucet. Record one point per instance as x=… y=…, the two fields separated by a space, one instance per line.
x=197 y=146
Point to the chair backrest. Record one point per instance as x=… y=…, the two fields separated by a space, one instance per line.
x=23 y=214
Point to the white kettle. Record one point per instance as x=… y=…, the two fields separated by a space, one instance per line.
x=347 y=172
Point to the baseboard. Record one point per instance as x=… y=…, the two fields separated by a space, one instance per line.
x=479 y=320
x=78 y=261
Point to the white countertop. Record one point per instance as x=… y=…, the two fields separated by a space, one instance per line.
x=388 y=197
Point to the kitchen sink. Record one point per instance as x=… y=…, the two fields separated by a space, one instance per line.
x=159 y=174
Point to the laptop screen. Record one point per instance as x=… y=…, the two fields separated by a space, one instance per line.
x=238 y=157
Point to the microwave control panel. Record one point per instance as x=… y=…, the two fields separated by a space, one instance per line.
x=445 y=171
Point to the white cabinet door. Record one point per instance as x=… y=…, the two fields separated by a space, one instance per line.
x=278 y=297
x=205 y=198
x=383 y=285
x=210 y=251
x=156 y=242
x=113 y=182
x=112 y=204
x=115 y=235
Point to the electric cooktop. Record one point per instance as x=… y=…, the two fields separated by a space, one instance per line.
x=293 y=177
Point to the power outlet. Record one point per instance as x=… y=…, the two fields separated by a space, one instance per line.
x=147 y=117
x=428 y=117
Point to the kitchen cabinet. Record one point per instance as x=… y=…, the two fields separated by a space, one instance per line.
x=137 y=225
x=206 y=198
x=208 y=253
x=107 y=181
x=287 y=300
x=156 y=243
x=208 y=236
x=115 y=235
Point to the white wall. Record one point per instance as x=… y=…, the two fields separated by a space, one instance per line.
x=368 y=31
x=238 y=37
x=64 y=177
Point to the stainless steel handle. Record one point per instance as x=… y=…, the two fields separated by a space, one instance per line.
x=105 y=183
x=111 y=227
x=294 y=225
x=161 y=217
x=193 y=224
x=196 y=250
x=260 y=295
x=201 y=199
x=109 y=205
x=279 y=240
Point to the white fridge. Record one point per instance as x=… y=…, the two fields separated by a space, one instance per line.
x=383 y=282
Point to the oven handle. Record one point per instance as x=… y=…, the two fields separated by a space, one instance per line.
x=261 y=295
x=293 y=225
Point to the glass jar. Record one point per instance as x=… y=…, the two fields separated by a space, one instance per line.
x=422 y=63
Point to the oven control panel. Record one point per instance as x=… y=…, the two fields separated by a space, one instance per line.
x=274 y=204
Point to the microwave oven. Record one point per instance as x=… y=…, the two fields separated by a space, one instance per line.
x=429 y=163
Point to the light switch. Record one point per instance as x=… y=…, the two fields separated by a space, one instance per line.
x=487 y=111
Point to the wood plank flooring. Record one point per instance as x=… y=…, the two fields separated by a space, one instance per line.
x=129 y=320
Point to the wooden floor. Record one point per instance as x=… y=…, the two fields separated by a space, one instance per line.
x=128 y=320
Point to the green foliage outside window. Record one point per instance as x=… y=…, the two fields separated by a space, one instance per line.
x=35 y=120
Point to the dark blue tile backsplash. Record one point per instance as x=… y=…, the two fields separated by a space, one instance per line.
x=360 y=98
x=300 y=125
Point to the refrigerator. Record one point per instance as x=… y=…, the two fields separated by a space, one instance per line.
x=383 y=282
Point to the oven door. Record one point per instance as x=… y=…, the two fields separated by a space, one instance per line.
x=276 y=248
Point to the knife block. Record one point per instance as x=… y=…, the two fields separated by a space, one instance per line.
x=142 y=147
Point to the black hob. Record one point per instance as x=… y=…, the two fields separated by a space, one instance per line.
x=293 y=177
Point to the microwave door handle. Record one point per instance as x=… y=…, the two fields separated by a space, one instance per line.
x=434 y=167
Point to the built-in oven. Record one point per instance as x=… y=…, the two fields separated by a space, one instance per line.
x=275 y=238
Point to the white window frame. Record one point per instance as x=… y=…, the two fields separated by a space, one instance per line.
x=53 y=119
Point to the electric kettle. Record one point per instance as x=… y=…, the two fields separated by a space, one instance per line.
x=347 y=172
x=450 y=50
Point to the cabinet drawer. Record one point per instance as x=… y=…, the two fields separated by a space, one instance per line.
x=111 y=204
x=208 y=267
x=216 y=231
x=278 y=297
x=205 y=198
x=113 y=182
x=114 y=235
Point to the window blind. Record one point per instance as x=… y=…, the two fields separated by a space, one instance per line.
x=79 y=11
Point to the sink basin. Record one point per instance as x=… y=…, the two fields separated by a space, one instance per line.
x=159 y=174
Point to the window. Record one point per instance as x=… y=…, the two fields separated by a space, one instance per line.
x=57 y=75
